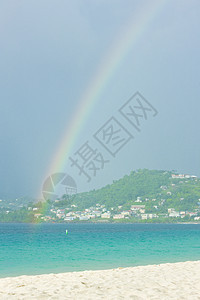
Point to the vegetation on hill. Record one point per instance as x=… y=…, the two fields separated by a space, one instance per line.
x=157 y=190
x=141 y=183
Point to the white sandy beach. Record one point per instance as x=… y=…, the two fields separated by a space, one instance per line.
x=165 y=281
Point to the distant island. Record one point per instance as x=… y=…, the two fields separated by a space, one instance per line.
x=145 y=196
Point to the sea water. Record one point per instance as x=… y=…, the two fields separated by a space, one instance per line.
x=27 y=249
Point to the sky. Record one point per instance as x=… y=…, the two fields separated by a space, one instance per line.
x=66 y=69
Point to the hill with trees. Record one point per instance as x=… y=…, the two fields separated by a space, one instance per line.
x=141 y=195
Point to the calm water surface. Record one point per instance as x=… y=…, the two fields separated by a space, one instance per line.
x=38 y=249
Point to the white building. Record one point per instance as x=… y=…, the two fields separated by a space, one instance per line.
x=69 y=218
x=170 y=210
x=182 y=213
x=60 y=215
x=125 y=213
x=105 y=215
x=91 y=216
x=137 y=207
x=148 y=216
x=144 y=216
x=83 y=218
x=180 y=176
x=118 y=216
x=174 y=214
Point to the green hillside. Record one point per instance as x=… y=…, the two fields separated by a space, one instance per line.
x=144 y=195
x=146 y=184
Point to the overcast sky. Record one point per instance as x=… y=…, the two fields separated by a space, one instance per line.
x=50 y=53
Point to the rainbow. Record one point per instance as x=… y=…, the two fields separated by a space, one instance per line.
x=117 y=52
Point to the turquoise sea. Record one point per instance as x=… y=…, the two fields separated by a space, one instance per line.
x=45 y=248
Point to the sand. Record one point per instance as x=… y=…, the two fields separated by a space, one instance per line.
x=165 y=281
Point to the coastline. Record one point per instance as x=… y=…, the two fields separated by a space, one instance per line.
x=165 y=281
x=102 y=222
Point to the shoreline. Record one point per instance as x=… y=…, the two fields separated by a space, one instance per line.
x=165 y=281
x=104 y=222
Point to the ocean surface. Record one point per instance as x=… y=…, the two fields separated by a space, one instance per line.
x=27 y=249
